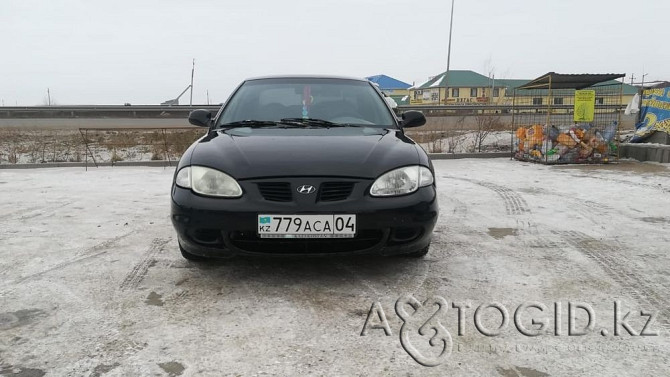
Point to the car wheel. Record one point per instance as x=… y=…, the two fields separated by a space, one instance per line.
x=419 y=253
x=189 y=256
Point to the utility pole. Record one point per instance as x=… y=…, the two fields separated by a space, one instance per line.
x=632 y=78
x=493 y=86
x=208 y=96
x=446 y=75
x=192 y=72
x=48 y=96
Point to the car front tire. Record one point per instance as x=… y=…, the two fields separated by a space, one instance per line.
x=419 y=253
x=189 y=256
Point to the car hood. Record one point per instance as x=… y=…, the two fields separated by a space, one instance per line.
x=347 y=152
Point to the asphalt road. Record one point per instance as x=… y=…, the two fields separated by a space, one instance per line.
x=92 y=283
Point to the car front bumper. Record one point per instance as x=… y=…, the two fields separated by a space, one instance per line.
x=216 y=227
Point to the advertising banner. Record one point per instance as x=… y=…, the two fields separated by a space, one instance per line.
x=585 y=105
x=654 y=113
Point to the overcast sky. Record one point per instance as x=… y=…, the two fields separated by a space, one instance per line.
x=111 y=52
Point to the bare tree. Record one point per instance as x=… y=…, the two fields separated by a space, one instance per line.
x=436 y=142
x=456 y=138
x=485 y=125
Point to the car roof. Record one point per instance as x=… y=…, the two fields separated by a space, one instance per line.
x=307 y=77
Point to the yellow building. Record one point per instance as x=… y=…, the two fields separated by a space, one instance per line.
x=465 y=87
x=469 y=87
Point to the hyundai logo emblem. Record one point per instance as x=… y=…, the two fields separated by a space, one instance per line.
x=306 y=189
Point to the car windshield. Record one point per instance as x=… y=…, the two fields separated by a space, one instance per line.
x=336 y=101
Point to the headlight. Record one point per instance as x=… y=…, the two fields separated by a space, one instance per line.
x=402 y=181
x=183 y=178
x=207 y=181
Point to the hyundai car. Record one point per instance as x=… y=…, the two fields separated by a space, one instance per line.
x=303 y=166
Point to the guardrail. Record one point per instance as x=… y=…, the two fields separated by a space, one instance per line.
x=182 y=111
x=108 y=108
x=102 y=111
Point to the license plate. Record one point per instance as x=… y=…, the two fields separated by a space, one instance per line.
x=306 y=226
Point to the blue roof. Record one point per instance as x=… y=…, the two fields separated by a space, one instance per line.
x=387 y=83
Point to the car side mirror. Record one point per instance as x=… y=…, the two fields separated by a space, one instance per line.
x=200 y=118
x=412 y=118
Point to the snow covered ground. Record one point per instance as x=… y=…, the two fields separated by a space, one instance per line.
x=92 y=283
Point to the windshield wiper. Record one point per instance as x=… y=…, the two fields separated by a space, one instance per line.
x=314 y=122
x=285 y=123
x=250 y=123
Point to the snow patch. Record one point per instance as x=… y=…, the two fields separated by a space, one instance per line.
x=437 y=82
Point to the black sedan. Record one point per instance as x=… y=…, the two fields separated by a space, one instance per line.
x=304 y=165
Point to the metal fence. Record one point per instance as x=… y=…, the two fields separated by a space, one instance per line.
x=552 y=133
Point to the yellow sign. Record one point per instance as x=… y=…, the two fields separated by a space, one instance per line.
x=585 y=105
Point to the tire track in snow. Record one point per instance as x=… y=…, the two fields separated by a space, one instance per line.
x=452 y=234
x=20 y=212
x=89 y=253
x=514 y=203
x=614 y=262
x=34 y=211
x=452 y=222
x=628 y=182
x=460 y=210
x=49 y=210
x=588 y=209
x=140 y=270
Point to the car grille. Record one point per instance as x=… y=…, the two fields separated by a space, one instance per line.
x=328 y=191
x=249 y=241
x=334 y=191
x=276 y=191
